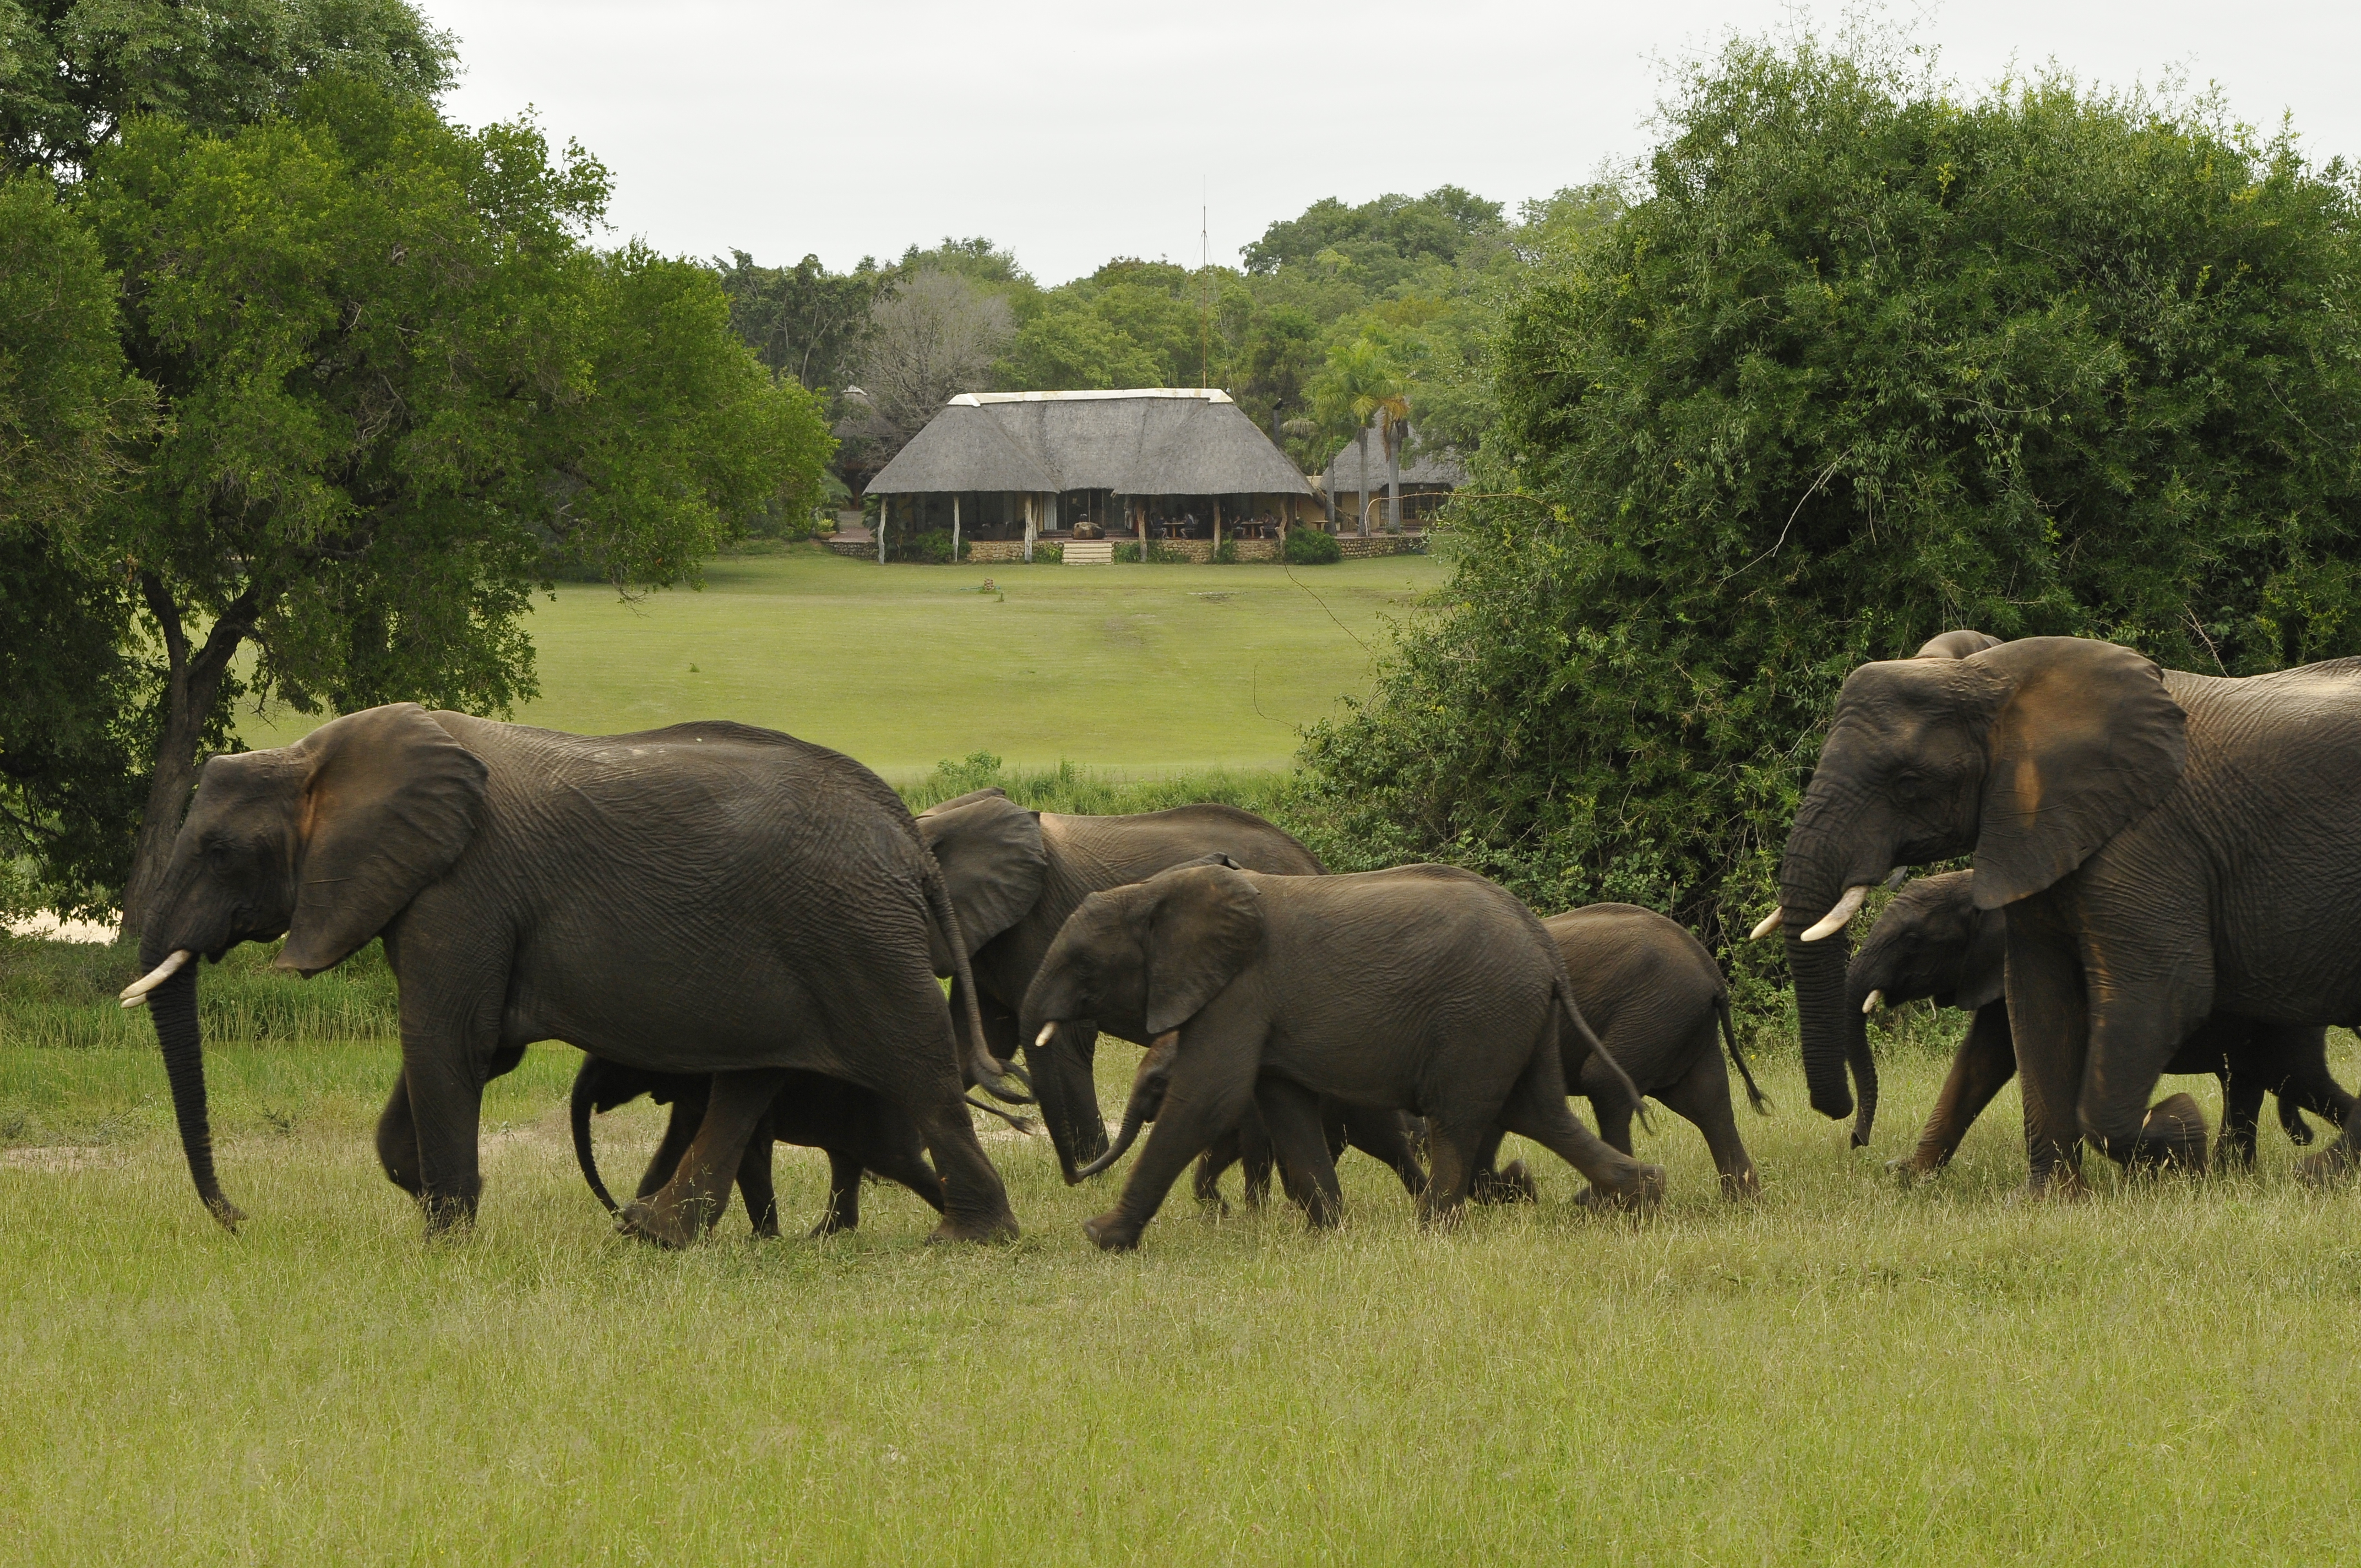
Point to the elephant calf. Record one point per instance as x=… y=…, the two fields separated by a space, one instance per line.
x=1662 y=1010
x=1932 y=940
x=1424 y=989
x=859 y=1130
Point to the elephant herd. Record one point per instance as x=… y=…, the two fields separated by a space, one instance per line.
x=754 y=931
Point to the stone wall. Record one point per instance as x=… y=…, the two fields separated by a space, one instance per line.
x=1005 y=551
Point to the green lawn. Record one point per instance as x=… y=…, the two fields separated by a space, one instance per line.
x=1842 y=1372
x=1137 y=670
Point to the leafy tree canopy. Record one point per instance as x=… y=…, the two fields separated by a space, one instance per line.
x=1864 y=360
x=398 y=381
x=72 y=72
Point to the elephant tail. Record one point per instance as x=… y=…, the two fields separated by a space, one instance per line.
x=2291 y=1120
x=1025 y=1125
x=1598 y=1047
x=995 y=1076
x=1760 y=1101
x=585 y=1092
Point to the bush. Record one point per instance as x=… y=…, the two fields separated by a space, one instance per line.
x=932 y=548
x=1866 y=362
x=1225 y=553
x=1049 y=553
x=1310 y=547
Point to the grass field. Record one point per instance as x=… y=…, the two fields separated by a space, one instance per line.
x=1136 y=670
x=1842 y=1372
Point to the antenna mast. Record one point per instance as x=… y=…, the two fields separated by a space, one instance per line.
x=1205 y=288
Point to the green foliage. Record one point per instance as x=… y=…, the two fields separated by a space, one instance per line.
x=804 y=320
x=1310 y=548
x=1070 y=347
x=932 y=548
x=1225 y=553
x=1128 y=552
x=1049 y=553
x=1382 y=240
x=1863 y=362
x=73 y=73
x=1088 y=792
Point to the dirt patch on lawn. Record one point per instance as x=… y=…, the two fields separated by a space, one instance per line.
x=53 y=1158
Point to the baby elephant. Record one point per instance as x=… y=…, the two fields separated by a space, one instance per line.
x=859 y=1130
x=1933 y=941
x=1660 y=1008
x=1424 y=989
x=1388 y=1137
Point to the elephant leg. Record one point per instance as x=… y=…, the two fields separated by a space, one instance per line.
x=2134 y=1031
x=397 y=1141
x=690 y=1204
x=1614 y=1118
x=2049 y=1028
x=895 y=1153
x=446 y=1107
x=1222 y=1154
x=1489 y=1183
x=1701 y=1095
x=843 y=1210
x=1452 y=1146
x=1536 y=1109
x=680 y=1130
x=975 y=1204
x=2242 y=1109
x=1297 y=1136
x=1210 y=1090
x=1985 y=1062
x=1254 y=1156
x=754 y=1181
x=1384 y=1137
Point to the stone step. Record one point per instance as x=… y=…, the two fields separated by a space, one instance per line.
x=1090 y=552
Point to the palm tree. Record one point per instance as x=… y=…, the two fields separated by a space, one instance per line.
x=1359 y=382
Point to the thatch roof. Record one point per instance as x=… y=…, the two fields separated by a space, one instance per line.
x=1158 y=441
x=1437 y=466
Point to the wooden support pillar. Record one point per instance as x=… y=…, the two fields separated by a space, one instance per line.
x=1141 y=521
x=1029 y=530
x=884 y=503
x=955 y=521
x=1217 y=524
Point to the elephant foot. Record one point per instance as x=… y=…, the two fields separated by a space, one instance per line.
x=2334 y=1163
x=828 y=1227
x=2298 y=1131
x=672 y=1226
x=1641 y=1188
x=997 y=1228
x=1741 y=1186
x=2065 y=1187
x=1111 y=1232
x=1512 y=1183
x=444 y=1217
x=2172 y=1136
x=1909 y=1169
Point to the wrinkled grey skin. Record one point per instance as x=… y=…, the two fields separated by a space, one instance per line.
x=1932 y=941
x=710 y=898
x=1016 y=877
x=1424 y=989
x=857 y=1129
x=1662 y=1010
x=2167 y=846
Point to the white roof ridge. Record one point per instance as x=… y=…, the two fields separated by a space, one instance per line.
x=977 y=400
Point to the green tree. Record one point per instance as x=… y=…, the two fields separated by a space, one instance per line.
x=396 y=377
x=72 y=72
x=1864 y=360
x=1072 y=346
x=801 y=321
x=1361 y=382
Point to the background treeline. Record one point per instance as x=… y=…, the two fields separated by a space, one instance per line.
x=1863 y=358
x=303 y=391
x=1335 y=316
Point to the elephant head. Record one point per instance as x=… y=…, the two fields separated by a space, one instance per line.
x=2029 y=755
x=327 y=841
x=1146 y=957
x=992 y=860
x=1931 y=940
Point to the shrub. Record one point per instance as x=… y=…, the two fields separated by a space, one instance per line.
x=1225 y=553
x=1049 y=553
x=1310 y=547
x=932 y=548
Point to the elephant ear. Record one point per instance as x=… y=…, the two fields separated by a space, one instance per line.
x=1960 y=644
x=2086 y=742
x=389 y=805
x=1204 y=925
x=1984 y=968
x=992 y=862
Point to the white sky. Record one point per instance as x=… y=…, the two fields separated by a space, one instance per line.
x=1075 y=131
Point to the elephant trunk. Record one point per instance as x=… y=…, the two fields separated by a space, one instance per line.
x=174 y=1005
x=1133 y=1118
x=584 y=1101
x=1821 y=1012
x=1864 y=1074
x=1067 y=1101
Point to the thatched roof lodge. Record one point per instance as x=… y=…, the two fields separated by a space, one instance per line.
x=1148 y=462
x=1429 y=474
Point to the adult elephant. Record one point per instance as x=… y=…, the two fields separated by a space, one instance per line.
x=1424 y=989
x=707 y=898
x=1017 y=876
x=1932 y=941
x=2167 y=846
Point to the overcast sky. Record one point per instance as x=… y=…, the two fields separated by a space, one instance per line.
x=1074 y=132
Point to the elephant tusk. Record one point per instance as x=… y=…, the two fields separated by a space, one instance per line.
x=1834 y=920
x=136 y=994
x=1873 y=1001
x=1041 y=1040
x=1770 y=923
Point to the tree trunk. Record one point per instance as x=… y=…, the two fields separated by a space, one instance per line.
x=1363 y=496
x=1393 y=480
x=195 y=680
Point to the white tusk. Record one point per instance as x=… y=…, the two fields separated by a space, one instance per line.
x=137 y=991
x=1042 y=1038
x=1770 y=923
x=1873 y=1001
x=1834 y=920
